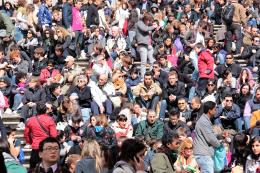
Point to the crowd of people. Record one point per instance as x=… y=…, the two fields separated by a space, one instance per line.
x=160 y=90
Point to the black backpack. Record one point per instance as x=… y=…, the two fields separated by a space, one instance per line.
x=227 y=14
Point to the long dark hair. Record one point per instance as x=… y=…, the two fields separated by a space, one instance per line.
x=255 y=139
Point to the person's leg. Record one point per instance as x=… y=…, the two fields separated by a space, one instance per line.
x=129 y=94
x=85 y=114
x=239 y=39
x=131 y=35
x=150 y=56
x=218 y=122
x=154 y=102
x=229 y=35
x=108 y=106
x=34 y=159
x=141 y=102
x=247 y=122
x=143 y=55
x=17 y=101
x=94 y=108
x=163 y=109
x=205 y=163
x=24 y=112
x=238 y=124
x=202 y=83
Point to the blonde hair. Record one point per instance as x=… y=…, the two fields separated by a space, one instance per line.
x=93 y=150
x=64 y=32
x=185 y=143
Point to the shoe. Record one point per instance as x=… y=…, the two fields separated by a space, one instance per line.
x=27 y=146
x=21 y=126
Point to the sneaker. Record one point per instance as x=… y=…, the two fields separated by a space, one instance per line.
x=27 y=146
x=21 y=126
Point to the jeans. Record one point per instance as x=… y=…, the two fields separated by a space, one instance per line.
x=202 y=83
x=108 y=105
x=85 y=114
x=17 y=101
x=237 y=123
x=145 y=53
x=247 y=122
x=148 y=104
x=205 y=163
x=131 y=35
x=130 y=95
x=231 y=30
x=163 y=109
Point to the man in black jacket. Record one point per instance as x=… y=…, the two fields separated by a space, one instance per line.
x=92 y=16
x=171 y=93
x=67 y=14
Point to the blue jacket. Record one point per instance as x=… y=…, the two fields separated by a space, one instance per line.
x=231 y=114
x=44 y=16
x=67 y=15
x=132 y=82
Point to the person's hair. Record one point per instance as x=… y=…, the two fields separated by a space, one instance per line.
x=147 y=17
x=76 y=119
x=253 y=140
x=53 y=86
x=197 y=99
x=19 y=76
x=243 y=85
x=72 y=160
x=240 y=139
x=133 y=3
x=9 y=130
x=174 y=112
x=230 y=54
x=21 y=3
x=48 y=140
x=226 y=73
x=4 y=146
x=185 y=143
x=257 y=89
x=41 y=108
x=168 y=138
x=102 y=120
x=93 y=150
x=199 y=45
x=181 y=99
x=129 y=149
x=14 y=53
x=209 y=105
x=173 y=73
x=133 y=70
x=58 y=47
x=64 y=32
x=39 y=50
x=121 y=117
x=228 y=95
x=148 y=73
x=60 y=135
x=181 y=131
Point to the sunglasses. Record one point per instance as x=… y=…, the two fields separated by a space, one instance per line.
x=229 y=100
x=181 y=103
x=228 y=57
x=210 y=84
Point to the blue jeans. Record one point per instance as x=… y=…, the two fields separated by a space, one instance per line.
x=85 y=114
x=146 y=52
x=247 y=122
x=17 y=101
x=163 y=109
x=148 y=104
x=237 y=123
x=108 y=105
x=205 y=163
x=234 y=29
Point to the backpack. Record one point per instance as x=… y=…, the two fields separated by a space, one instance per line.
x=227 y=14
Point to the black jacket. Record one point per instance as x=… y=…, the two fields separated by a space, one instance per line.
x=38 y=66
x=92 y=16
x=36 y=95
x=234 y=68
x=169 y=128
x=178 y=90
x=253 y=58
x=84 y=95
x=67 y=15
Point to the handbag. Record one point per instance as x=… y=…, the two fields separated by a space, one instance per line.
x=219 y=158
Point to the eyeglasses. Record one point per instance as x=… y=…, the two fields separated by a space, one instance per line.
x=229 y=57
x=181 y=103
x=49 y=149
x=210 y=84
x=155 y=67
x=229 y=100
x=188 y=148
x=29 y=33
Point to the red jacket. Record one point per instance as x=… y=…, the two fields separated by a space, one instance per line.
x=33 y=132
x=205 y=62
x=45 y=74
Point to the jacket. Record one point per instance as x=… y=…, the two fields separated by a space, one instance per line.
x=6 y=24
x=143 y=33
x=92 y=16
x=163 y=161
x=239 y=15
x=67 y=15
x=84 y=95
x=44 y=16
x=22 y=67
x=12 y=165
x=124 y=167
x=150 y=131
x=252 y=165
x=205 y=139
x=255 y=117
x=205 y=63
x=38 y=66
x=169 y=128
x=142 y=89
x=231 y=114
x=127 y=131
x=133 y=19
x=86 y=165
x=177 y=90
x=33 y=132
x=45 y=74
x=39 y=169
x=234 y=68
x=251 y=106
x=36 y=95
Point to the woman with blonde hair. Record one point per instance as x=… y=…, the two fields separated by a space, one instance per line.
x=63 y=38
x=91 y=158
x=186 y=161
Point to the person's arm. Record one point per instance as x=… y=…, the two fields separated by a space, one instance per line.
x=139 y=130
x=142 y=27
x=219 y=111
x=160 y=130
x=232 y=115
x=27 y=132
x=52 y=128
x=158 y=163
x=209 y=135
x=136 y=90
x=65 y=14
x=247 y=110
x=14 y=150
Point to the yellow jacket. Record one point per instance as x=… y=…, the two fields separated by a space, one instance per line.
x=255 y=117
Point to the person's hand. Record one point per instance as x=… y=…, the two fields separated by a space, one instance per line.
x=223 y=117
x=223 y=103
x=254 y=51
x=78 y=138
x=10 y=140
x=73 y=137
x=139 y=164
x=186 y=58
x=189 y=123
x=255 y=69
x=172 y=98
x=155 y=25
x=101 y=109
x=11 y=66
x=6 y=39
x=156 y=74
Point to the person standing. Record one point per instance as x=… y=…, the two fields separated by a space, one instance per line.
x=205 y=139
